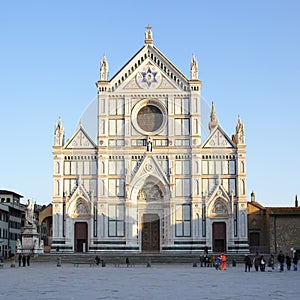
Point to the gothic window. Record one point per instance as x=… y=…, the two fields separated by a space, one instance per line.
x=116 y=220
x=242 y=187
x=242 y=167
x=183 y=220
x=57 y=187
x=182 y=187
x=182 y=127
x=197 y=187
x=243 y=224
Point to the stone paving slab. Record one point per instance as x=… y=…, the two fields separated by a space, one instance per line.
x=47 y=281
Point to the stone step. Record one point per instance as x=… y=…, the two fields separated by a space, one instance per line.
x=120 y=258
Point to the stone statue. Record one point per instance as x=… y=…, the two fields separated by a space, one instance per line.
x=29 y=213
x=149 y=144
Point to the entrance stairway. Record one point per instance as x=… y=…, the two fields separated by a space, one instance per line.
x=135 y=259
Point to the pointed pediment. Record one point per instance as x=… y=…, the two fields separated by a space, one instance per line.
x=79 y=203
x=80 y=140
x=218 y=139
x=149 y=69
x=149 y=167
x=219 y=202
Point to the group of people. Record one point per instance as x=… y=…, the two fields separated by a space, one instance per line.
x=24 y=259
x=218 y=262
x=260 y=263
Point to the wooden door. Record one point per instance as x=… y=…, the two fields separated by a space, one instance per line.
x=151 y=233
x=219 y=236
x=80 y=237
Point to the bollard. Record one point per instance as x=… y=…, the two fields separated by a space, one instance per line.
x=59 y=261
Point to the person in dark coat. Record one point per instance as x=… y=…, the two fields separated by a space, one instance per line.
x=280 y=259
x=24 y=260
x=288 y=261
x=256 y=261
x=295 y=260
x=28 y=260
x=20 y=260
x=248 y=264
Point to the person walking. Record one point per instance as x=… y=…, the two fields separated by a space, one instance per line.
x=280 y=259
x=256 y=261
x=247 y=261
x=20 y=260
x=295 y=260
x=262 y=264
x=271 y=263
x=223 y=262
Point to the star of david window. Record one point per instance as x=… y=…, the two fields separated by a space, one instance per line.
x=149 y=77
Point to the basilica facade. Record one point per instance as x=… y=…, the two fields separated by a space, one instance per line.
x=150 y=183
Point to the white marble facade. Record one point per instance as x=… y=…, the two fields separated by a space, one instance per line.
x=150 y=183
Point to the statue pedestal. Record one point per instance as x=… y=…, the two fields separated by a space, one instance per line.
x=31 y=243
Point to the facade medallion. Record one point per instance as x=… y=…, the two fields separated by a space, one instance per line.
x=148 y=78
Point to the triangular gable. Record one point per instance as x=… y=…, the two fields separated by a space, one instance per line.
x=136 y=74
x=80 y=140
x=148 y=76
x=218 y=139
x=149 y=167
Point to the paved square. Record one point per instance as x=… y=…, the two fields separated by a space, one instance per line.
x=47 y=281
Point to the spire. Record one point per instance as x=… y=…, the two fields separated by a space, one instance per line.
x=104 y=69
x=59 y=133
x=296 y=201
x=194 y=68
x=148 y=35
x=213 y=118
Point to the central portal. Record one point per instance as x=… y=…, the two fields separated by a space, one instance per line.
x=150 y=233
x=80 y=240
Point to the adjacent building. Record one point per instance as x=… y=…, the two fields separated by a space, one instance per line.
x=150 y=182
x=11 y=211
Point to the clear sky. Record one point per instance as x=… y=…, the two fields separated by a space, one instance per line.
x=249 y=64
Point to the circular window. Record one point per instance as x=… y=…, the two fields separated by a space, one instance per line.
x=148 y=117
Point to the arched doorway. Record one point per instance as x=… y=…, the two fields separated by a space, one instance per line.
x=219 y=236
x=80 y=237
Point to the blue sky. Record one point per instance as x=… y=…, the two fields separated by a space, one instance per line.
x=248 y=53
